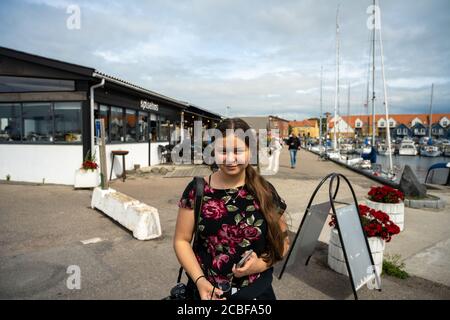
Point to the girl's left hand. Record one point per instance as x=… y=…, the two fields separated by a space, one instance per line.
x=251 y=266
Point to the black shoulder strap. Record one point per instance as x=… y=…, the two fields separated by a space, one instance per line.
x=199 y=190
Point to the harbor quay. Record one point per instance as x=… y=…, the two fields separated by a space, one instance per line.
x=46 y=231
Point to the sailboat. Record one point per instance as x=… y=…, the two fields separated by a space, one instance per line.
x=388 y=149
x=334 y=153
x=430 y=150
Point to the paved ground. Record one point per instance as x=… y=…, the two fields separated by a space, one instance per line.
x=41 y=229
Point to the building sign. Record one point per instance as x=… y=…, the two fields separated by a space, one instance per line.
x=146 y=105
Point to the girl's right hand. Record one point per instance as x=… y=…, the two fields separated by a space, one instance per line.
x=206 y=289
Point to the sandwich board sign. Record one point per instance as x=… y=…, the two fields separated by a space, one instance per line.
x=356 y=249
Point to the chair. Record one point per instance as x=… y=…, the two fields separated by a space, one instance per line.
x=164 y=151
x=122 y=153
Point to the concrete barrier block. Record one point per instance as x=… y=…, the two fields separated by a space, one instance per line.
x=138 y=217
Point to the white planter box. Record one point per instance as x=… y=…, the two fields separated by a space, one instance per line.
x=336 y=259
x=396 y=211
x=87 y=178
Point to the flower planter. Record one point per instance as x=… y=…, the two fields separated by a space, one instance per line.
x=87 y=178
x=396 y=211
x=336 y=259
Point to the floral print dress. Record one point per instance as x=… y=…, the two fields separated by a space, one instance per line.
x=230 y=223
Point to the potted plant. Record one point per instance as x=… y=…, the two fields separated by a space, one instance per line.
x=388 y=200
x=88 y=175
x=379 y=229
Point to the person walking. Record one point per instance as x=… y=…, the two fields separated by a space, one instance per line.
x=294 y=145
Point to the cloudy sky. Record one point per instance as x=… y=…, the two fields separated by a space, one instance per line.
x=257 y=57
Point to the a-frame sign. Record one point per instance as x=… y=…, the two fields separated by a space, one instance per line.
x=358 y=257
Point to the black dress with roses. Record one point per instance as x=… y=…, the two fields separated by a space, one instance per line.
x=230 y=223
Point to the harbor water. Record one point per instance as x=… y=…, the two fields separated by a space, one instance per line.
x=418 y=164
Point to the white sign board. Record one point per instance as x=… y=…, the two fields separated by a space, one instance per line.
x=311 y=226
x=354 y=242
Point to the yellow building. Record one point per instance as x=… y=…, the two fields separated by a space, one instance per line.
x=305 y=128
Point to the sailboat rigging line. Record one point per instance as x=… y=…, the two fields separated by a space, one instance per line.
x=373 y=74
x=386 y=104
x=335 y=146
x=431 y=112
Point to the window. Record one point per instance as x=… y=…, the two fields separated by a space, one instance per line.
x=142 y=126
x=116 y=124
x=175 y=132
x=10 y=122
x=444 y=123
x=37 y=122
x=391 y=124
x=67 y=121
x=23 y=84
x=382 y=123
x=103 y=113
x=154 y=127
x=399 y=131
x=164 y=129
x=130 y=122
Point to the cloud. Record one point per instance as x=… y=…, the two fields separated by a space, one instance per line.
x=256 y=57
x=417 y=83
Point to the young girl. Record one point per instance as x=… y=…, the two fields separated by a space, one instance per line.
x=241 y=211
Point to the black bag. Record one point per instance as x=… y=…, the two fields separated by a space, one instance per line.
x=180 y=290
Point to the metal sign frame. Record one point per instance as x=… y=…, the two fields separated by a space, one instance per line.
x=308 y=214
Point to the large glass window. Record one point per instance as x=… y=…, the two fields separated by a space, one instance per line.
x=130 y=122
x=37 y=122
x=154 y=127
x=10 y=122
x=23 y=84
x=175 y=132
x=142 y=126
x=103 y=113
x=67 y=121
x=116 y=125
x=164 y=129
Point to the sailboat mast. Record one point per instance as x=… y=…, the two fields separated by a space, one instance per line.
x=366 y=105
x=335 y=147
x=373 y=75
x=348 y=111
x=320 y=116
x=431 y=111
x=386 y=105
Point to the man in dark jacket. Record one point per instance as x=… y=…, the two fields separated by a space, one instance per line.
x=294 y=145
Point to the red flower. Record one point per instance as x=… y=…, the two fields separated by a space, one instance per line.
x=242 y=193
x=376 y=223
x=220 y=260
x=89 y=165
x=385 y=194
x=208 y=189
x=191 y=194
x=214 y=209
x=232 y=233
x=253 y=277
x=251 y=233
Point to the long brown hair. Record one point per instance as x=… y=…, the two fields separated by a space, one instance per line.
x=260 y=188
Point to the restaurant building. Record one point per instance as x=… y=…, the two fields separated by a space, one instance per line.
x=47 y=113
